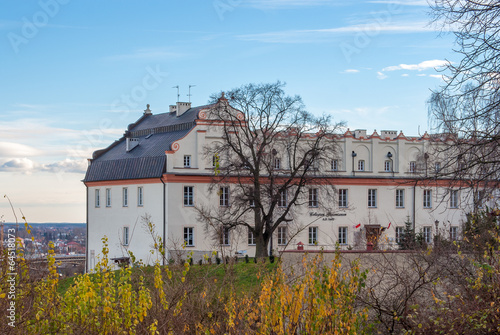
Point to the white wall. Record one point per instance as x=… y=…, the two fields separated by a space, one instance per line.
x=109 y=221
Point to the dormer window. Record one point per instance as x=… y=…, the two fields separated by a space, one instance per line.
x=187 y=161
x=387 y=166
x=277 y=163
x=335 y=165
x=361 y=165
x=413 y=167
x=437 y=167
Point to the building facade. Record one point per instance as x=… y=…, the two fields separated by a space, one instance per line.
x=158 y=172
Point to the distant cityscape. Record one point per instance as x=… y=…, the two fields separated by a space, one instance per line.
x=68 y=238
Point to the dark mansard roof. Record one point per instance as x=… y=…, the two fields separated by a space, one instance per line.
x=155 y=135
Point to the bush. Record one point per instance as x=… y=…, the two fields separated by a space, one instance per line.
x=322 y=301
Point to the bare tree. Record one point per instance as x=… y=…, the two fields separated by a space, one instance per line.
x=397 y=282
x=268 y=162
x=466 y=109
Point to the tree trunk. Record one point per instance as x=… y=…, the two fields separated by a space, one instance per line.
x=261 y=246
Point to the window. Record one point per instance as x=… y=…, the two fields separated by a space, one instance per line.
x=224 y=196
x=140 y=196
x=189 y=236
x=387 y=166
x=361 y=165
x=188 y=195
x=342 y=235
x=125 y=197
x=125 y=236
x=437 y=167
x=277 y=163
x=187 y=161
x=453 y=198
x=313 y=197
x=315 y=163
x=372 y=198
x=215 y=161
x=251 y=196
x=428 y=234
x=97 y=198
x=224 y=240
x=282 y=202
x=108 y=197
x=335 y=165
x=413 y=167
x=343 y=198
x=400 y=198
x=480 y=196
x=313 y=235
x=453 y=233
x=282 y=235
x=251 y=237
x=399 y=234
x=427 y=199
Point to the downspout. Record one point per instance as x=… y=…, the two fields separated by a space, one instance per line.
x=164 y=232
x=87 y=260
x=414 y=203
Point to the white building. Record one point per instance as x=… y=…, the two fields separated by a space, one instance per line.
x=157 y=169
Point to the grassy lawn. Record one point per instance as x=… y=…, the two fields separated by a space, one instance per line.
x=244 y=278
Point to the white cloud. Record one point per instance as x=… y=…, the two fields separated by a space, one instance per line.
x=52 y=142
x=350 y=71
x=381 y=75
x=316 y=35
x=10 y=149
x=28 y=166
x=405 y=75
x=67 y=165
x=421 y=75
x=438 y=76
x=24 y=165
x=425 y=65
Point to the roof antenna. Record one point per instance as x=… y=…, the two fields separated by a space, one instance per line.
x=189 y=94
x=178 y=95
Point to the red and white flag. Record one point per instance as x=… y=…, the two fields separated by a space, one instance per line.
x=357 y=226
x=389 y=226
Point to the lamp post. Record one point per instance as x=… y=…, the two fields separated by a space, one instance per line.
x=436 y=238
x=389 y=155
x=353 y=154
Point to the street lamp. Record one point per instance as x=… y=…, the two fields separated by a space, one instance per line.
x=436 y=238
x=353 y=154
x=389 y=155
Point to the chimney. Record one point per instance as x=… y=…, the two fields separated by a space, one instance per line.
x=182 y=107
x=131 y=143
x=391 y=134
x=360 y=133
x=147 y=111
x=173 y=108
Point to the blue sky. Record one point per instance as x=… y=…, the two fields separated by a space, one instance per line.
x=74 y=74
